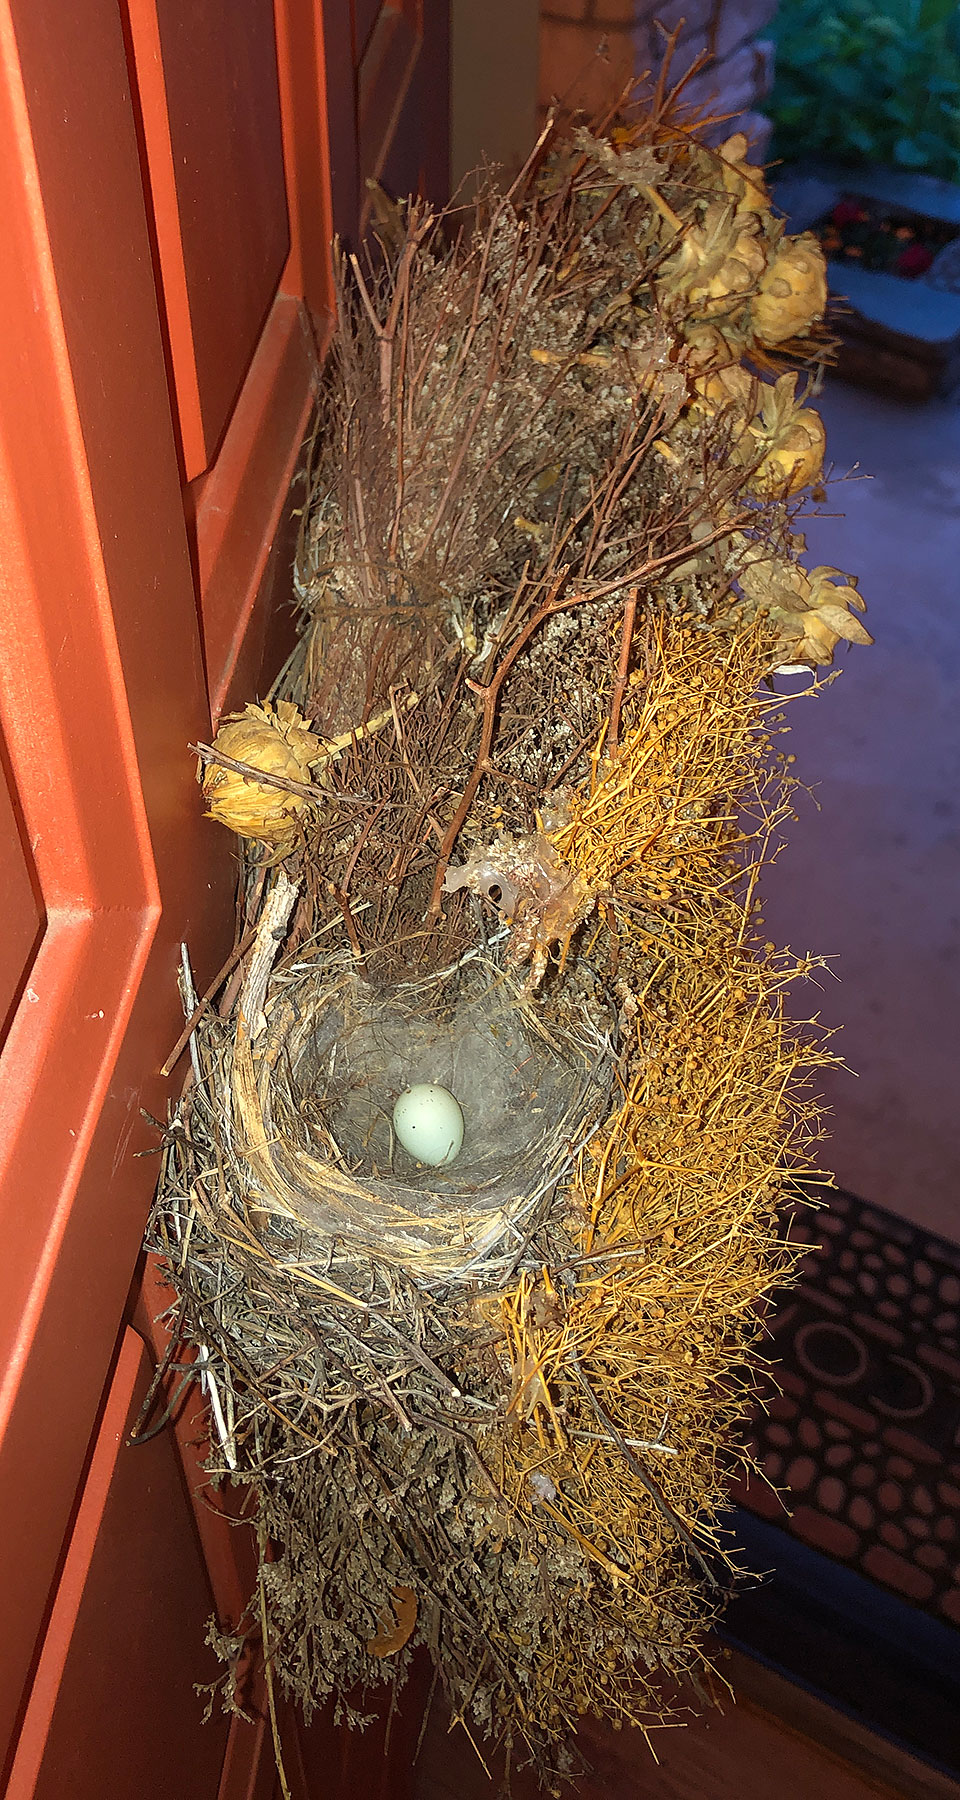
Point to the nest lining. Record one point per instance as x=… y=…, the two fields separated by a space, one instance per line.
x=315 y=1075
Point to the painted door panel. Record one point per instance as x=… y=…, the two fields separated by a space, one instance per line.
x=112 y=1709
x=100 y=680
x=135 y=602
x=383 y=77
x=207 y=84
x=239 y=504
x=365 y=16
x=21 y=902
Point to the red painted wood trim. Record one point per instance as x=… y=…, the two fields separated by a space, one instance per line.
x=83 y=1540
x=230 y=1554
x=365 y=16
x=302 y=74
x=70 y=741
x=249 y=1768
x=214 y=171
x=21 y=900
x=144 y=33
x=113 y=1708
x=101 y=690
x=383 y=79
x=239 y=504
x=341 y=119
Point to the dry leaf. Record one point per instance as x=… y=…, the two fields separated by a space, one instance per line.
x=396 y=1623
x=743 y=180
x=840 y=621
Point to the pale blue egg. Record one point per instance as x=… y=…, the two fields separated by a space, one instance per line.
x=429 y=1124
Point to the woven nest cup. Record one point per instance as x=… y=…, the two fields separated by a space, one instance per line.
x=320 y=1057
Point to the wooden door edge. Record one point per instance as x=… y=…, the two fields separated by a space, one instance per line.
x=893 y=1768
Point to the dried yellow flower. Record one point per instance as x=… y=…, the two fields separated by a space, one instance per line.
x=717 y=262
x=770 y=423
x=728 y=387
x=707 y=348
x=791 y=437
x=793 y=291
x=276 y=740
x=743 y=180
x=811 y=612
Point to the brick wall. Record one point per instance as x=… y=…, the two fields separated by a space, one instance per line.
x=590 y=49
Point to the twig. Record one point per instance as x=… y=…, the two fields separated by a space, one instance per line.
x=209 y=1384
x=366 y=829
x=344 y=905
x=489 y=695
x=385 y=333
x=345 y=740
x=236 y=955
x=329 y=752
x=166 y=1361
x=600 y=1437
x=189 y=1000
x=268 y=1678
x=644 y=1477
x=620 y=685
x=208 y=753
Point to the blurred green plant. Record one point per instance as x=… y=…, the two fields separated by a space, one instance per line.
x=869 y=81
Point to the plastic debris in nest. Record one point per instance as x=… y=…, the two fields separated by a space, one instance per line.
x=543 y=902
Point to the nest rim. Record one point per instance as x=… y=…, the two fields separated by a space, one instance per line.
x=440 y=1227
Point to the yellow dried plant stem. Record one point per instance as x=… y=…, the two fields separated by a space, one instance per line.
x=335 y=746
x=679 y=1192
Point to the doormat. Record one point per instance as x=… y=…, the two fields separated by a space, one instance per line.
x=860 y=1447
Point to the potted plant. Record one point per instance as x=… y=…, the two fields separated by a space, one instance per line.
x=866 y=111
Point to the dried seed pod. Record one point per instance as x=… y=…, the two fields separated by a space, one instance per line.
x=276 y=740
x=716 y=263
x=743 y=180
x=811 y=612
x=791 y=437
x=793 y=291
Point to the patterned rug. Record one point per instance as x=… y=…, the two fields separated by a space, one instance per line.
x=861 y=1445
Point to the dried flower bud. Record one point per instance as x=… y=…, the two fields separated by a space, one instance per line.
x=770 y=423
x=809 y=607
x=793 y=291
x=707 y=348
x=279 y=742
x=791 y=437
x=742 y=179
x=729 y=388
x=716 y=262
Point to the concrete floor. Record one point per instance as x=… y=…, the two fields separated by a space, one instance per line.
x=873 y=877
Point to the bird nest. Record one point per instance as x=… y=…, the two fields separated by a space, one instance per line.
x=504 y=818
x=314 y=1074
